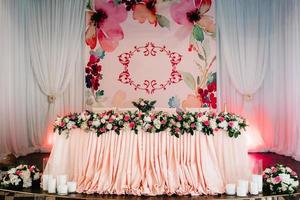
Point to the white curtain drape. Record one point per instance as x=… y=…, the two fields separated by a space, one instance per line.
x=41 y=47
x=274 y=111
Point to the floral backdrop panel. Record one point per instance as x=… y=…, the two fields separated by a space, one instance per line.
x=162 y=50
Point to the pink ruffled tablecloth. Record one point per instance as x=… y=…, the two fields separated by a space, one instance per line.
x=149 y=163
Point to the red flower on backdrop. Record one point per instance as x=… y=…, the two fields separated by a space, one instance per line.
x=207 y=96
x=104 y=25
x=93 y=73
x=189 y=12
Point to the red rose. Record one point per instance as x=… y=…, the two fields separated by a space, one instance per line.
x=131 y=125
x=206 y=123
x=126 y=118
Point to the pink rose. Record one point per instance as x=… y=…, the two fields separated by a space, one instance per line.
x=206 y=123
x=293 y=173
x=115 y=127
x=179 y=117
x=126 y=118
x=152 y=117
x=277 y=180
x=273 y=169
x=193 y=125
x=111 y=120
x=90 y=123
x=163 y=121
x=62 y=124
x=102 y=130
x=131 y=124
x=200 y=114
x=177 y=130
x=221 y=119
x=18 y=172
x=230 y=124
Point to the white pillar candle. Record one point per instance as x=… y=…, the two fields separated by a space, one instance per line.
x=241 y=191
x=254 y=188
x=62 y=189
x=242 y=188
x=52 y=185
x=72 y=186
x=259 y=180
x=45 y=180
x=61 y=180
x=230 y=189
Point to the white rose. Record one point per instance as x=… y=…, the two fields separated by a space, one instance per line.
x=268 y=170
x=285 y=178
x=192 y=119
x=157 y=123
x=199 y=126
x=147 y=119
x=284 y=188
x=295 y=183
x=96 y=123
x=103 y=121
x=109 y=126
x=83 y=117
x=235 y=125
x=186 y=125
x=213 y=123
x=12 y=171
x=70 y=125
x=36 y=176
x=142 y=103
x=223 y=124
x=105 y=117
x=178 y=124
x=288 y=169
x=203 y=118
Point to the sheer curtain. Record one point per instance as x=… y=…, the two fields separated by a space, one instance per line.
x=27 y=40
x=274 y=106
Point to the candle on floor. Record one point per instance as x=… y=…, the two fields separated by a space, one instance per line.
x=242 y=188
x=62 y=189
x=230 y=189
x=254 y=188
x=241 y=191
x=72 y=186
x=61 y=180
x=259 y=180
x=52 y=185
x=45 y=180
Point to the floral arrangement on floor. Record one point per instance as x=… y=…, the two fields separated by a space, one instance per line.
x=152 y=122
x=144 y=105
x=22 y=176
x=280 y=179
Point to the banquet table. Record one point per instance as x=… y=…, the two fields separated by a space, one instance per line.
x=149 y=163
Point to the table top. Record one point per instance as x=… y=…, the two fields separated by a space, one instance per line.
x=41 y=193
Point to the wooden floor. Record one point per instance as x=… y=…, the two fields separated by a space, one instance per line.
x=268 y=159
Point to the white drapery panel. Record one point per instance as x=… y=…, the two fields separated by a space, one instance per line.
x=274 y=110
x=24 y=105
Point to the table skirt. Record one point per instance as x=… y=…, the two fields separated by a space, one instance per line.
x=149 y=163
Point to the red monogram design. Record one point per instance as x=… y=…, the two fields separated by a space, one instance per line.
x=150 y=49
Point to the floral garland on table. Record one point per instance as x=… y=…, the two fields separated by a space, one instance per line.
x=280 y=179
x=152 y=122
x=22 y=176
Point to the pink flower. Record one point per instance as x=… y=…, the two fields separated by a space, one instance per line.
x=131 y=125
x=102 y=130
x=230 y=124
x=188 y=13
x=18 y=172
x=293 y=173
x=193 y=125
x=115 y=127
x=200 y=114
x=62 y=124
x=179 y=117
x=163 y=121
x=111 y=120
x=206 y=123
x=104 y=25
x=177 y=130
x=31 y=168
x=126 y=118
x=274 y=169
x=152 y=117
x=277 y=180
x=221 y=119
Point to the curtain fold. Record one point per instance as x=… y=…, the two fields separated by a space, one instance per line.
x=41 y=47
x=274 y=111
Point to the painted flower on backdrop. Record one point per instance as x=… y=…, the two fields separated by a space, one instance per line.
x=191 y=14
x=103 y=20
x=145 y=10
